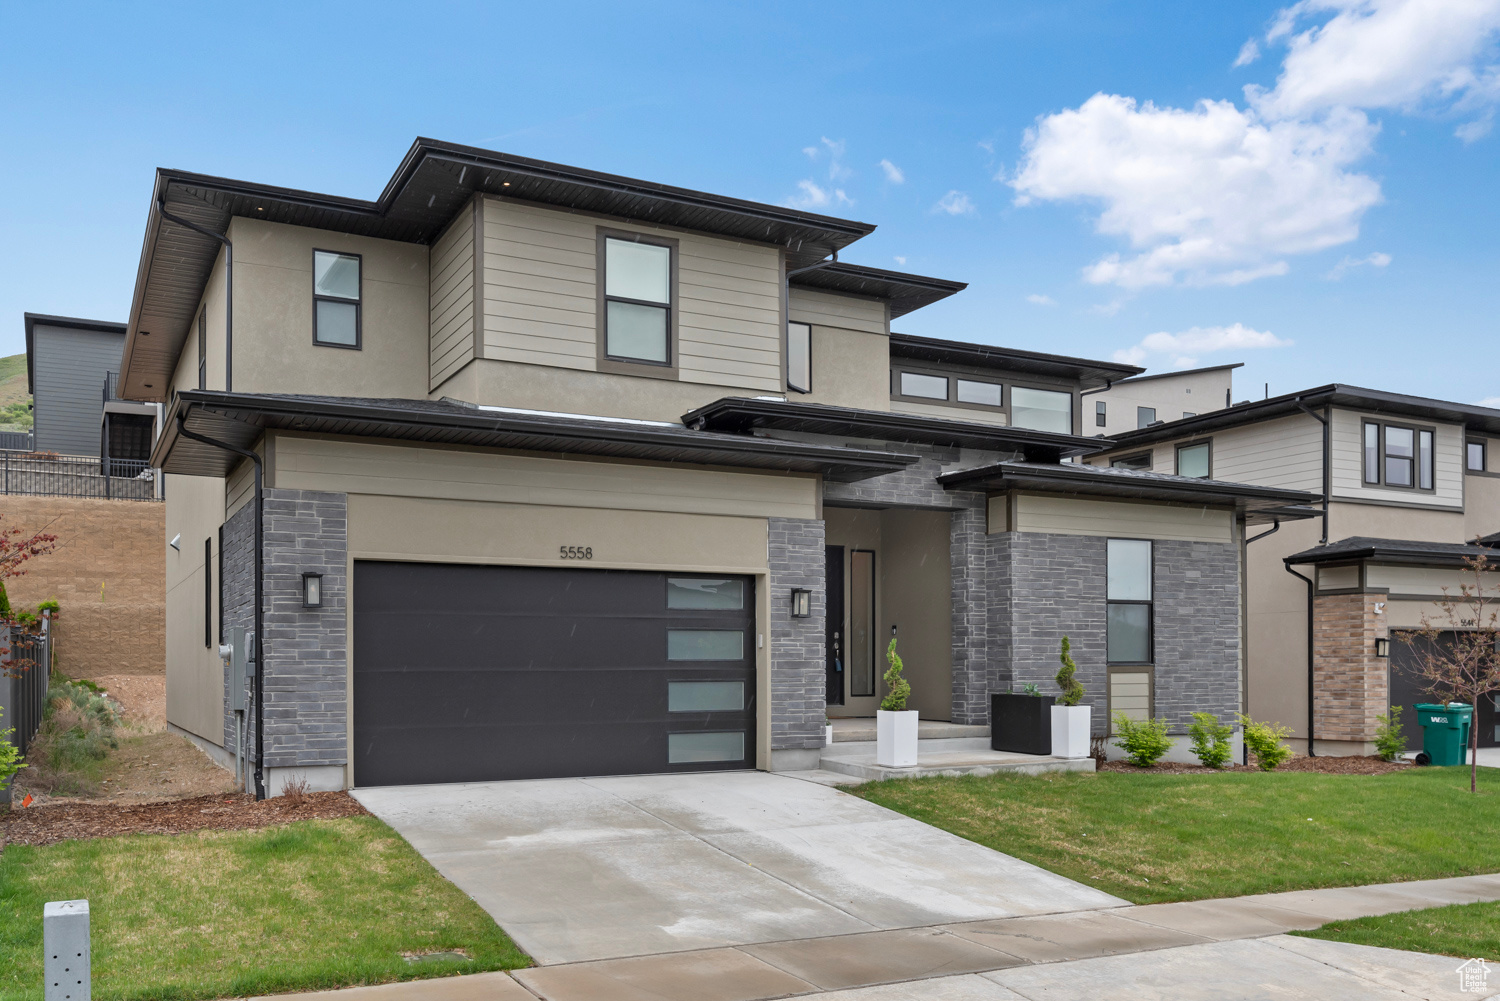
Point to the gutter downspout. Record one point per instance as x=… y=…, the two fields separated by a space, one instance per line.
x=1308 y=580
x=1327 y=458
x=161 y=206
x=260 y=641
x=1245 y=541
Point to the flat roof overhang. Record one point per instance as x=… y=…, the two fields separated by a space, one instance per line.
x=241 y=418
x=741 y=415
x=1403 y=552
x=433 y=181
x=1087 y=372
x=903 y=292
x=1254 y=503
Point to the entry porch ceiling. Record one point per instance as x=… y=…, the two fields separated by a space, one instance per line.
x=241 y=418
x=433 y=181
x=1256 y=504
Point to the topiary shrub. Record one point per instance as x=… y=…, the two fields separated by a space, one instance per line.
x=895 y=700
x=1211 y=740
x=1143 y=741
x=1072 y=688
x=1390 y=743
x=1265 y=742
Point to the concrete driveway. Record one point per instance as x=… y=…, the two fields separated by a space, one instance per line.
x=583 y=869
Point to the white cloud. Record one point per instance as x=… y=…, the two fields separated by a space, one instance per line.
x=1375 y=260
x=1208 y=196
x=811 y=151
x=1041 y=300
x=813 y=196
x=1476 y=130
x=1493 y=402
x=1249 y=52
x=900 y=260
x=955 y=203
x=893 y=173
x=1185 y=347
x=1382 y=54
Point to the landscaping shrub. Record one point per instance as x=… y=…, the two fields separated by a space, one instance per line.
x=10 y=757
x=1211 y=740
x=1265 y=742
x=1072 y=688
x=1143 y=742
x=77 y=732
x=1390 y=743
x=895 y=700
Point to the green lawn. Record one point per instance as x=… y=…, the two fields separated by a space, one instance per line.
x=315 y=904
x=1155 y=838
x=1466 y=930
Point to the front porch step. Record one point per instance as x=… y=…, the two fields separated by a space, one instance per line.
x=862 y=728
x=970 y=756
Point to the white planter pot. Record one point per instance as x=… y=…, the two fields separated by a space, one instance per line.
x=896 y=738
x=828 y=736
x=1071 y=728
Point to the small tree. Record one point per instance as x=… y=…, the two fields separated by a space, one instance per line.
x=895 y=699
x=1468 y=668
x=1390 y=743
x=1072 y=688
x=1211 y=740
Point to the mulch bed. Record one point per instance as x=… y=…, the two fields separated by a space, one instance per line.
x=1349 y=765
x=45 y=825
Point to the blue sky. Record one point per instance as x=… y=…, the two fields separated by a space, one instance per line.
x=1335 y=222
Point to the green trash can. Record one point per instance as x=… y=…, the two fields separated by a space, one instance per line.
x=1445 y=733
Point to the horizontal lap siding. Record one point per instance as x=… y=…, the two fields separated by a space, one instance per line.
x=541 y=305
x=1081 y=516
x=1348 y=462
x=1286 y=452
x=451 y=299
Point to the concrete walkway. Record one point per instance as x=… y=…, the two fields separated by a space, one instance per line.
x=607 y=868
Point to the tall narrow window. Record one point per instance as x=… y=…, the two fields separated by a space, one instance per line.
x=799 y=357
x=336 y=299
x=1195 y=460
x=1041 y=409
x=861 y=622
x=221 y=581
x=1145 y=416
x=637 y=301
x=208 y=593
x=1099 y=414
x=203 y=349
x=1372 y=453
x=1424 y=460
x=1400 y=447
x=1474 y=457
x=1128 y=599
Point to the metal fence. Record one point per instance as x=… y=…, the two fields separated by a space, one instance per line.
x=20 y=441
x=25 y=670
x=45 y=474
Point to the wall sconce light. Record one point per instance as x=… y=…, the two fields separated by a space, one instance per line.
x=312 y=590
x=893 y=630
x=1382 y=646
x=801 y=603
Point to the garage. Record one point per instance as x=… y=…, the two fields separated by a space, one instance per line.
x=1407 y=688
x=468 y=673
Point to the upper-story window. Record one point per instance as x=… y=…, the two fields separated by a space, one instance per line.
x=1041 y=409
x=638 y=307
x=799 y=357
x=336 y=299
x=203 y=349
x=1195 y=459
x=984 y=394
x=1145 y=416
x=1475 y=458
x=1397 y=455
x=927 y=387
x=1100 y=414
x=1140 y=460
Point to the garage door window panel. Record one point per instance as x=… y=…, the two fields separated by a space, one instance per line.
x=704 y=747
x=705 y=696
x=705 y=644
x=705 y=593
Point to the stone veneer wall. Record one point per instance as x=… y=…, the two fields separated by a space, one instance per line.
x=305 y=649
x=798 y=679
x=1351 y=683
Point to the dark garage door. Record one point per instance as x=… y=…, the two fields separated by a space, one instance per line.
x=1408 y=688
x=473 y=673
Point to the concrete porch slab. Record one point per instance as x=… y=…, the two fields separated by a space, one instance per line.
x=880 y=957
x=858 y=760
x=861 y=728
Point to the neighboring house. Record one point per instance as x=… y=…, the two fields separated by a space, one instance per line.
x=71 y=366
x=1143 y=400
x=1411 y=484
x=567 y=473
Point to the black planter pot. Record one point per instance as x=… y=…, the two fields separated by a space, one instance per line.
x=1020 y=723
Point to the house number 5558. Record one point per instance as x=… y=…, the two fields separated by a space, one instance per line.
x=576 y=552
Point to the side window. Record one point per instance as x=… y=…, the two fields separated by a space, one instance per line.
x=799 y=357
x=927 y=387
x=203 y=349
x=1475 y=459
x=1141 y=460
x=1041 y=409
x=984 y=394
x=1099 y=414
x=1128 y=597
x=336 y=299
x=1145 y=416
x=1399 y=456
x=637 y=307
x=1195 y=459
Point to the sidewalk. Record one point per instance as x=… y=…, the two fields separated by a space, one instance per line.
x=1198 y=950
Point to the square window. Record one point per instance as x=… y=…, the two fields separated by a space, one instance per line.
x=336 y=275
x=928 y=387
x=1129 y=634
x=338 y=323
x=1193 y=460
x=985 y=394
x=1145 y=416
x=1128 y=569
x=1041 y=410
x=635 y=331
x=640 y=271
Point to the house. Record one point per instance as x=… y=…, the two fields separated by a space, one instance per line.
x=1410 y=484
x=561 y=473
x=1143 y=400
x=71 y=367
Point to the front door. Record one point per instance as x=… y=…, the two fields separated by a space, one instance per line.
x=834 y=645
